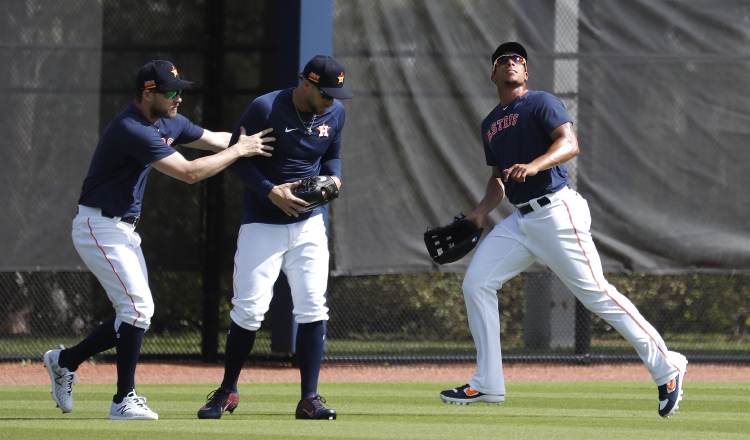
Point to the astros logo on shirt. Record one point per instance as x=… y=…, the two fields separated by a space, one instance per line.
x=323 y=129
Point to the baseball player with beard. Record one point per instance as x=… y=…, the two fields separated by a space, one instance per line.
x=527 y=139
x=275 y=235
x=137 y=140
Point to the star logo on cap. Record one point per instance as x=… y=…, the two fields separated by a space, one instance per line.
x=174 y=71
x=341 y=78
x=323 y=129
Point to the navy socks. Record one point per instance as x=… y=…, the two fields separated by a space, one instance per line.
x=101 y=339
x=310 y=345
x=239 y=345
x=129 y=340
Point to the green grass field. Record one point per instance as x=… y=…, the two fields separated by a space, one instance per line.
x=547 y=410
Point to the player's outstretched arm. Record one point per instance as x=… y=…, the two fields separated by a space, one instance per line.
x=219 y=141
x=493 y=195
x=211 y=141
x=178 y=167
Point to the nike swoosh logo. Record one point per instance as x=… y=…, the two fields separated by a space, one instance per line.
x=663 y=403
x=289 y=129
x=309 y=413
x=471 y=392
x=506 y=107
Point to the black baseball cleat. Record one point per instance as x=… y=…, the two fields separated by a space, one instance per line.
x=312 y=408
x=219 y=400
x=466 y=394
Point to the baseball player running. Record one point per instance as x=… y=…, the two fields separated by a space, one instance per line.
x=527 y=139
x=274 y=236
x=137 y=140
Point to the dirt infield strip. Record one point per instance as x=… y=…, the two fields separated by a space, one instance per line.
x=35 y=373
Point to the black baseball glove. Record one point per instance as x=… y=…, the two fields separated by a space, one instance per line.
x=450 y=243
x=311 y=190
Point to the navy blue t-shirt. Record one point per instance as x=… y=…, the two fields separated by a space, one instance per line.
x=519 y=134
x=297 y=153
x=122 y=160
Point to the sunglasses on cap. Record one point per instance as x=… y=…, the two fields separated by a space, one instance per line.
x=169 y=95
x=173 y=94
x=504 y=59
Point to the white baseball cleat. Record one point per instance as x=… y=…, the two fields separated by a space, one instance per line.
x=132 y=407
x=62 y=380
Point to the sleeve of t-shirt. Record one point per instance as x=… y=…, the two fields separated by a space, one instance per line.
x=551 y=113
x=330 y=163
x=145 y=145
x=254 y=119
x=189 y=131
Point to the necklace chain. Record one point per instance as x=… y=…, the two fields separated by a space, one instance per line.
x=312 y=122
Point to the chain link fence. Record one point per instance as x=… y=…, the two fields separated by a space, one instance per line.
x=63 y=64
x=398 y=318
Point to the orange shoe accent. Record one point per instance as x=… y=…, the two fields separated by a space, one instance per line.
x=671 y=385
x=472 y=392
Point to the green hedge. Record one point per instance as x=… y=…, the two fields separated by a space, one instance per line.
x=706 y=313
x=430 y=306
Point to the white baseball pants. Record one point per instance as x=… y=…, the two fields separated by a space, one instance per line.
x=300 y=250
x=112 y=251
x=558 y=235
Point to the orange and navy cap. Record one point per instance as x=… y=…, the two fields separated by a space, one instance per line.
x=327 y=74
x=161 y=76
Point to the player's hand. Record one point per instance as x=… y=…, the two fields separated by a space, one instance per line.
x=254 y=145
x=519 y=172
x=281 y=196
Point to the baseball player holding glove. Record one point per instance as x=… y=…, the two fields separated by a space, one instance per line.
x=137 y=140
x=527 y=139
x=283 y=229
